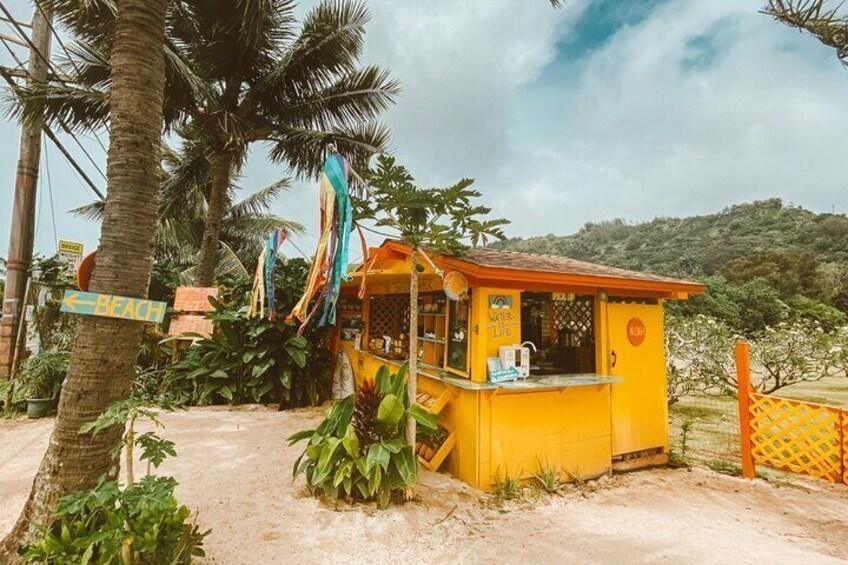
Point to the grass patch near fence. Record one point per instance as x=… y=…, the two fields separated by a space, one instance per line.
x=712 y=438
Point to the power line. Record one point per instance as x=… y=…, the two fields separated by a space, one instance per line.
x=70 y=59
x=10 y=81
x=55 y=72
x=50 y=192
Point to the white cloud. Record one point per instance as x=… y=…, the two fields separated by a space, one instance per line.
x=695 y=106
x=643 y=132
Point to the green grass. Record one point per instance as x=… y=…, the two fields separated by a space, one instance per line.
x=832 y=391
x=713 y=438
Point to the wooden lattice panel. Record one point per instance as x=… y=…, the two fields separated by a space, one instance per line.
x=576 y=315
x=845 y=447
x=388 y=314
x=797 y=436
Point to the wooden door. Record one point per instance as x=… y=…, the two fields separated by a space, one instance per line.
x=637 y=356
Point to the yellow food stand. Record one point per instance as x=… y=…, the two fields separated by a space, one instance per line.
x=595 y=396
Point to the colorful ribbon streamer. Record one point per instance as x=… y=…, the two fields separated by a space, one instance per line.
x=330 y=263
x=262 y=294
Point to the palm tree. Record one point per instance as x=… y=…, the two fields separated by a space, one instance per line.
x=820 y=18
x=105 y=349
x=239 y=72
x=183 y=202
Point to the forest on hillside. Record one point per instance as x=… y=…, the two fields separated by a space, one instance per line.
x=763 y=262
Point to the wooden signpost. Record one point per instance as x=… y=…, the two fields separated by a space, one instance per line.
x=109 y=306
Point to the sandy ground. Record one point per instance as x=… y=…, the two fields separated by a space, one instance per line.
x=234 y=469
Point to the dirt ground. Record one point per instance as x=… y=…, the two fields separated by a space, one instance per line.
x=234 y=468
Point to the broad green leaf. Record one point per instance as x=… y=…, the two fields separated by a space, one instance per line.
x=382 y=379
x=394 y=445
x=406 y=465
x=226 y=392
x=351 y=442
x=378 y=456
x=263 y=389
x=423 y=417
x=390 y=410
x=299 y=436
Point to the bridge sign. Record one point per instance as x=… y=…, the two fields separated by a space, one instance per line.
x=109 y=306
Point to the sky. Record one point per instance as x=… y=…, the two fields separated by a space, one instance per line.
x=604 y=109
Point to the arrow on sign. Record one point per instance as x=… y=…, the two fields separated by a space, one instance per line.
x=72 y=300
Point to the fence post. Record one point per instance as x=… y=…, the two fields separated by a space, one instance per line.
x=743 y=394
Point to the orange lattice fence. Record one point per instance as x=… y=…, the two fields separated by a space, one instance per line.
x=801 y=437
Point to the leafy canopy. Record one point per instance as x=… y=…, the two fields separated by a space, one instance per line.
x=443 y=220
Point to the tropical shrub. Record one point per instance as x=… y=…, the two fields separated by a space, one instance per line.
x=359 y=451
x=41 y=375
x=139 y=524
x=255 y=359
x=55 y=329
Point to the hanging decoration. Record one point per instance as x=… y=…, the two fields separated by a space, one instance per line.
x=330 y=263
x=262 y=294
x=455 y=286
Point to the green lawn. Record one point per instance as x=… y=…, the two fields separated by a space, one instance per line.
x=713 y=437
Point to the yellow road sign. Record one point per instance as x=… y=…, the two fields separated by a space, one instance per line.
x=72 y=247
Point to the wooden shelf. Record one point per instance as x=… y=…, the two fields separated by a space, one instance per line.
x=441 y=401
x=431 y=340
x=440 y=455
x=436 y=314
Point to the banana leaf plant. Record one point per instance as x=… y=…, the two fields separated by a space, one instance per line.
x=339 y=463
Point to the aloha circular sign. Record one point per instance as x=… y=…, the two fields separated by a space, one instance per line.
x=636 y=331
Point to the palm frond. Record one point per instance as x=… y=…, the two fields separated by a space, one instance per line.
x=330 y=43
x=93 y=211
x=88 y=19
x=229 y=264
x=304 y=149
x=257 y=226
x=260 y=201
x=80 y=107
x=358 y=96
x=817 y=17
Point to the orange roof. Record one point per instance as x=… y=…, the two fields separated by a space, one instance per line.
x=496 y=265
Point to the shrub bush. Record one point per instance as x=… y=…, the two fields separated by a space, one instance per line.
x=41 y=376
x=359 y=451
x=255 y=359
x=143 y=521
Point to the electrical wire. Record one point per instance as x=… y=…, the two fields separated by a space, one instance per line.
x=34 y=49
x=70 y=60
x=10 y=81
x=50 y=192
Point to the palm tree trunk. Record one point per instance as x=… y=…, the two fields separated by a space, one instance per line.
x=208 y=257
x=102 y=361
x=412 y=385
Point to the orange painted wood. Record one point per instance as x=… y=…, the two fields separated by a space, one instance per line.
x=743 y=392
x=194 y=299
x=191 y=323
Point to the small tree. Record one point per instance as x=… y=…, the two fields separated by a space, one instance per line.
x=700 y=356
x=429 y=220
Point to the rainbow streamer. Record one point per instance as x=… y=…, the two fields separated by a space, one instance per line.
x=263 y=293
x=330 y=263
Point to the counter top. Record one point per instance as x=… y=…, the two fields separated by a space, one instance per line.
x=533 y=382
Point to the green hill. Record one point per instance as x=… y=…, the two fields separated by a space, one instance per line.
x=763 y=262
x=699 y=246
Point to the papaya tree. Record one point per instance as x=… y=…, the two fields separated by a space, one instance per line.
x=430 y=221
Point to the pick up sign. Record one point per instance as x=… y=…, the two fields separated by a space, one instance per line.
x=109 y=306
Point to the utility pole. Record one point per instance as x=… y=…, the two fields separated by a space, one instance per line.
x=23 y=210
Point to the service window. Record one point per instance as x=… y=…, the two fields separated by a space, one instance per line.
x=458 y=336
